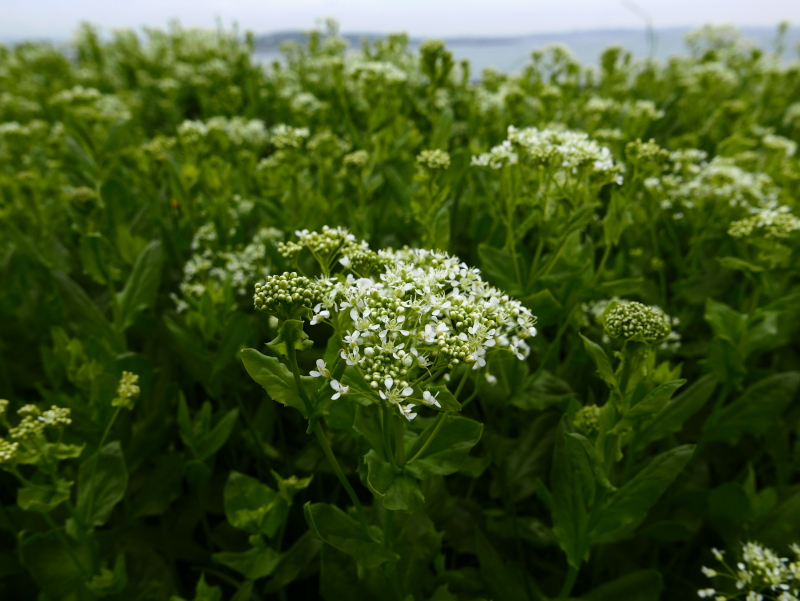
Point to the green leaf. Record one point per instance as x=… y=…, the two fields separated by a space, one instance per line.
x=725 y=322
x=644 y=585
x=277 y=380
x=43 y=497
x=600 y=359
x=294 y=561
x=141 y=287
x=253 y=506
x=759 y=406
x=498 y=267
x=671 y=418
x=728 y=509
x=569 y=511
x=255 y=563
x=617 y=218
x=739 y=265
x=109 y=582
x=58 y=572
x=210 y=442
x=582 y=450
x=333 y=526
x=544 y=306
x=102 y=482
x=445 y=454
x=650 y=405
x=86 y=318
x=395 y=491
x=290 y=486
x=628 y=507
x=291 y=329
x=504 y=583
x=622 y=287
x=203 y=592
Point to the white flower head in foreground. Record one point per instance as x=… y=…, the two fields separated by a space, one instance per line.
x=760 y=574
x=407 y=318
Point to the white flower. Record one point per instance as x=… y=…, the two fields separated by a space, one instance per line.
x=319 y=314
x=709 y=573
x=490 y=379
x=340 y=389
x=321 y=371
x=706 y=593
x=430 y=399
x=406 y=411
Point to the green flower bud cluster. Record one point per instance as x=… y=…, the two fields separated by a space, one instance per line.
x=29 y=431
x=633 y=318
x=646 y=152
x=323 y=245
x=587 y=420
x=359 y=158
x=84 y=199
x=286 y=296
x=127 y=391
x=434 y=160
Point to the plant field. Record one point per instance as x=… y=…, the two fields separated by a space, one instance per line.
x=367 y=325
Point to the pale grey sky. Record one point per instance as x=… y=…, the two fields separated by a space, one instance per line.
x=58 y=18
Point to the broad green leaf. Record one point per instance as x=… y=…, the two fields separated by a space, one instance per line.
x=255 y=563
x=294 y=561
x=291 y=329
x=728 y=509
x=85 y=316
x=142 y=285
x=395 y=491
x=644 y=585
x=600 y=359
x=57 y=571
x=725 y=322
x=739 y=264
x=102 y=482
x=505 y=583
x=333 y=526
x=671 y=418
x=203 y=592
x=655 y=401
x=544 y=305
x=578 y=446
x=43 y=497
x=497 y=267
x=110 y=582
x=628 y=507
x=447 y=451
x=569 y=511
x=277 y=380
x=755 y=409
x=210 y=442
x=253 y=506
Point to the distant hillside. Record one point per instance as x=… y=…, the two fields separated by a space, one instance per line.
x=511 y=53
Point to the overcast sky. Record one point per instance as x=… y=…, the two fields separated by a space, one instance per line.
x=58 y=18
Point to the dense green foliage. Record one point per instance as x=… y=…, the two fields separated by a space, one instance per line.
x=645 y=214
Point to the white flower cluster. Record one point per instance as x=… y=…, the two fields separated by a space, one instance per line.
x=285 y=136
x=91 y=103
x=760 y=571
x=696 y=183
x=239 y=131
x=366 y=73
x=421 y=315
x=568 y=151
x=771 y=223
x=497 y=158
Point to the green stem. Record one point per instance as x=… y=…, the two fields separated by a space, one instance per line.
x=387 y=441
x=461 y=384
x=569 y=582
x=326 y=449
x=442 y=418
x=64 y=543
x=291 y=355
x=399 y=442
